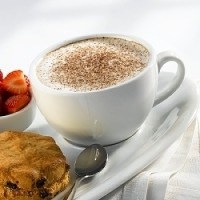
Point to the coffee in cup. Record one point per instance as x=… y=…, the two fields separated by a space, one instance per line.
x=92 y=64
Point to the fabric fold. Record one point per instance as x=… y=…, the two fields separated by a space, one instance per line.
x=154 y=182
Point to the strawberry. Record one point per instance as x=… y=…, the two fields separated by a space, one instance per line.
x=2 y=99
x=1 y=88
x=1 y=75
x=1 y=105
x=3 y=93
x=16 y=103
x=15 y=82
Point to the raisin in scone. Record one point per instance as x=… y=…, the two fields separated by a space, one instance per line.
x=32 y=167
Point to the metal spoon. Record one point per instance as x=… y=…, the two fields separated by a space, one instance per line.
x=89 y=162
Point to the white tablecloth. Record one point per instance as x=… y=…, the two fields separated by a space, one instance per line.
x=174 y=176
x=29 y=26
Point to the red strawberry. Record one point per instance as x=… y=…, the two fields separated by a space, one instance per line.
x=1 y=75
x=2 y=99
x=1 y=105
x=15 y=82
x=1 y=88
x=16 y=103
x=3 y=93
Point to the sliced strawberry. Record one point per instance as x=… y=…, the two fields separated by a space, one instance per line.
x=3 y=93
x=1 y=75
x=1 y=88
x=1 y=105
x=2 y=99
x=15 y=82
x=16 y=103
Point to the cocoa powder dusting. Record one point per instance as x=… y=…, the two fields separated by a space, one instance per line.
x=92 y=64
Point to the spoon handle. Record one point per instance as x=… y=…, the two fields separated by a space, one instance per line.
x=77 y=183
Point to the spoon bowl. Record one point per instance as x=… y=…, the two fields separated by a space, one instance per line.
x=89 y=162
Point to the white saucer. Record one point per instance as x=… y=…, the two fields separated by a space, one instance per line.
x=163 y=126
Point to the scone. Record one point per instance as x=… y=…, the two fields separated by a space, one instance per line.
x=32 y=167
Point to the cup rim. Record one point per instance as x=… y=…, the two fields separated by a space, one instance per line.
x=38 y=59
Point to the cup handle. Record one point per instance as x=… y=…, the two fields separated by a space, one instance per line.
x=163 y=58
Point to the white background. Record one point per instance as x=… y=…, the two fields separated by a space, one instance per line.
x=29 y=26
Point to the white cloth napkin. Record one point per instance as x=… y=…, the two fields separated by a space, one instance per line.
x=175 y=175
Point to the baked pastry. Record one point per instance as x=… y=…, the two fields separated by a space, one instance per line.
x=32 y=167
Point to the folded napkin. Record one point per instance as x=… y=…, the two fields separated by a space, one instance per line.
x=175 y=175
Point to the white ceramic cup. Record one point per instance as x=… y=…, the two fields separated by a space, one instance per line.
x=109 y=115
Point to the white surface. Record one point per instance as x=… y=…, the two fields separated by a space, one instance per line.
x=163 y=126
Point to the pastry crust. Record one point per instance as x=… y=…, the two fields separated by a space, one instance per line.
x=32 y=166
